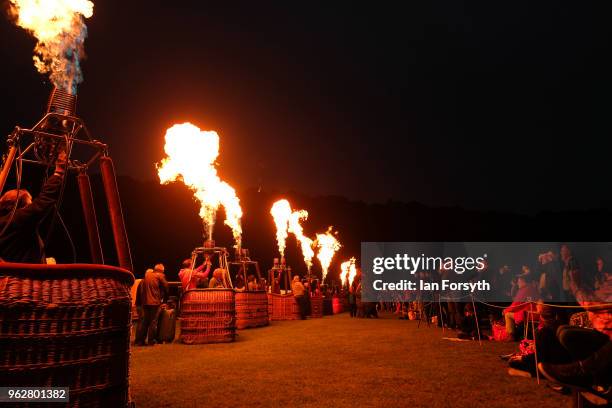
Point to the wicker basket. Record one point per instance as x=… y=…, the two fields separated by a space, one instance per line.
x=67 y=326
x=284 y=307
x=208 y=316
x=251 y=309
x=337 y=305
x=316 y=306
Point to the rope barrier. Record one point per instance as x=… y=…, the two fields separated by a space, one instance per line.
x=585 y=307
x=500 y=307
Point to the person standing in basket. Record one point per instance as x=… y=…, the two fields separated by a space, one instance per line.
x=20 y=218
x=192 y=278
x=299 y=292
x=218 y=280
x=154 y=288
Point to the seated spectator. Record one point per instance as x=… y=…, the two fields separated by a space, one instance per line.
x=590 y=349
x=515 y=313
x=548 y=347
x=194 y=278
x=468 y=328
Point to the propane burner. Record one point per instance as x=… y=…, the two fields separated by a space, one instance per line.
x=59 y=127
x=62 y=102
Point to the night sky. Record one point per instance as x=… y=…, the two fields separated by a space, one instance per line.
x=500 y=106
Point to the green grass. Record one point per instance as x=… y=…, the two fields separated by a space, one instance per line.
x=334 y=362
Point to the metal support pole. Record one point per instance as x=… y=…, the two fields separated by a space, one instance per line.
x=244 y=273
x=535 y=348
x=91 y=221
x=476 y=318
x=441 y=318
x=116 y=214
x=6 y=169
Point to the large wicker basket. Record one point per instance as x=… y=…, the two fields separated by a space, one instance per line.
x=337 y=305
x=251 y=309
x=208 y=316
x=284 y=307
x=67 y=326
x=316 y=306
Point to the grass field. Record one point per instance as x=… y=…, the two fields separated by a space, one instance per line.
x=334 y=362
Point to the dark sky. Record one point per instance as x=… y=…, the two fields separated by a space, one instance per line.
x=501 y=105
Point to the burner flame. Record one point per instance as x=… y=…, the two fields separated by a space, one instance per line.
x=60 y=30
x=328 y=245
x=191 y=155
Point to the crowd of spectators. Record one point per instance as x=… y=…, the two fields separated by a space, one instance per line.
x=559 y=314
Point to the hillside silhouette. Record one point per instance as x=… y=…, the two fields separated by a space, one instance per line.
x=163 y=224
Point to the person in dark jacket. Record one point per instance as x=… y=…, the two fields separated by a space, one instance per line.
x=590 y=349
x=153 y=290
x=20 y=218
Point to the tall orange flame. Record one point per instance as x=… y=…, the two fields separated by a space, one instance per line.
x=288 y=222
x=281 y=212
x=295 y=227
x=59 y=27
x=348 y=271
x=191 y=155
x=327 y=245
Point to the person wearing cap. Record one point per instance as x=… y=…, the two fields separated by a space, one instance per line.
x=21 y=216
x=515 y=313
x=154 y=288
x=299 y=293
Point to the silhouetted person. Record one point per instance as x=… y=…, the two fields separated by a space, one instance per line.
x=154 y=288
x=569 y=265
x=299 y=292
x=20 y=218
x=602 y=274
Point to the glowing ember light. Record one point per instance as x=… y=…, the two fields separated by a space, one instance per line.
x=60 y=29
x=327 y=245
x=191 y=155
x=348 y=271
x=295 y=227
x=281 y=212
